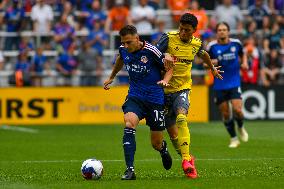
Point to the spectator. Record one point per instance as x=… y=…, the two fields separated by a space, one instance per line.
x=271 y=71
x=90 y=65
x=274 y=40
x=276 y=6
x=118 y=16
x=68 y=11
x=258 y=11
x=40 y=66
x=23 y=63
x=42 y=17
x=97 y=38
x=27 y=5
x=251 y=75
x=96 y=14
x=13 y=18
x=229 y=13
x=177 y=8
x=143 y=16
x=67 y=65
x=3 y=5
x=64 y=34
x=251 y=29
x=26 y=45
x=266 y=25
x=201 y=16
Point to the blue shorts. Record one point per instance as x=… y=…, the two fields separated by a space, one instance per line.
x=153 y=113
x=226 y=95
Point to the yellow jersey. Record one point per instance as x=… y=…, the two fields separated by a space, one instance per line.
x=183 y=53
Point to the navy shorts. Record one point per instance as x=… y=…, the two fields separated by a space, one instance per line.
x=153 y=113
x=226 y=95
x=173 y=102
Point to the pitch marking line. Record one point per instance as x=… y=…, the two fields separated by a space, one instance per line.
x=18 y=129
x=143 y=160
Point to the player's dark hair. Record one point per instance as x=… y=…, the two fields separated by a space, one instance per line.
x=223 y=23
x=128 y=29
x=190 y=19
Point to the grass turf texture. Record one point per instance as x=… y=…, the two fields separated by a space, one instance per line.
x=52 y=158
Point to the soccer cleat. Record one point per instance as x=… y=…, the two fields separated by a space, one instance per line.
x=234 y=143
x=189 y=168
x=243 y=134
x=128 y=175
x=166 y=157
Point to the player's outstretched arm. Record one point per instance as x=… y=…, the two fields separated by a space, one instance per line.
x=117 y=67
x=167 y=77
x=215 y=70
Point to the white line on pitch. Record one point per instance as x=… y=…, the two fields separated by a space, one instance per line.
x=143 y=160
x=19 y=129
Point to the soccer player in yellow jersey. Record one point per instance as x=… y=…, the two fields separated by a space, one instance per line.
x=183 y=46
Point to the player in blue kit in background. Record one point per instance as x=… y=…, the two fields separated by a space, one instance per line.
x=225 y=52
x=145 y=99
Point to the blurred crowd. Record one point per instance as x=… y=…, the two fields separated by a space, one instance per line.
x=79 y=32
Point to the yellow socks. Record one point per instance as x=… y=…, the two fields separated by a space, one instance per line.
x=176 y=144
x=183 y=136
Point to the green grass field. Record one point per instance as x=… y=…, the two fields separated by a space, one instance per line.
x=51 y=156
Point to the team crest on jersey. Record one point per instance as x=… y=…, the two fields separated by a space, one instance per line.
x=176 y=48
x=144 y=59
x=233 y=49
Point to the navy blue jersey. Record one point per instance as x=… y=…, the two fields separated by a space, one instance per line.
x=144 y=68
x=228 y=57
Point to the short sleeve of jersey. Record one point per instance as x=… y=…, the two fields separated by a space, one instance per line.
x=162 y=44
x=120 y=50
x=241 y=51
x=157 y=55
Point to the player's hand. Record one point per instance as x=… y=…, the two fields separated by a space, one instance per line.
x=217 y=72
x=245 y=66
x=107 y=83
x=214 y=62
x=163 y=83
x=168 y=62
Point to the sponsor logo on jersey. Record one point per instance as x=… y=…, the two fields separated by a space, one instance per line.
x=182 y=60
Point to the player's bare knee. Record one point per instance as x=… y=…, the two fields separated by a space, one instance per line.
x=226 y=115
x=239 y=114
x=128 y=124
x=173 y=132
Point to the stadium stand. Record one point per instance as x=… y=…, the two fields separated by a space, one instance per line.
x=26 y=26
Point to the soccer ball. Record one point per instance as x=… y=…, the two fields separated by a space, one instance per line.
x=92 y=169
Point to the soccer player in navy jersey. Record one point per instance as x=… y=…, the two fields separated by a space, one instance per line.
x=228 y=53
x=145 y=98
